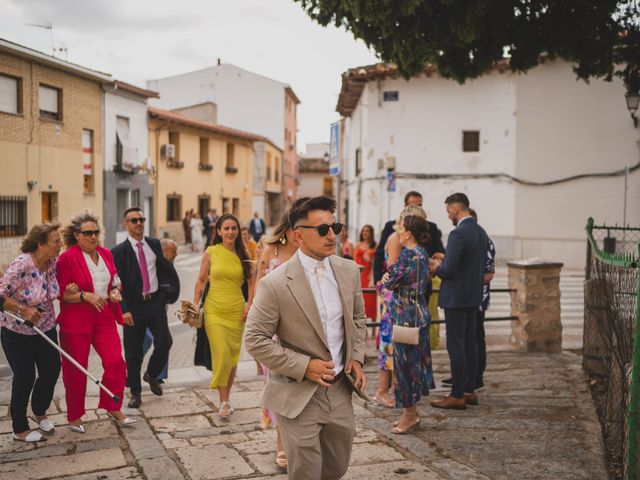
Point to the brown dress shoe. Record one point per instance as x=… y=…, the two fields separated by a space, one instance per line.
x=450 y=402
x=471 y=398
x=136 y=400
x=155 y=387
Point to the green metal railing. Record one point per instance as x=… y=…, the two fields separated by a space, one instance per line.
x=613 y=298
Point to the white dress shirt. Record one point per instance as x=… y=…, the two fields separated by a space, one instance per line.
x=327 y=296
x=151 y=262
x=100 y=275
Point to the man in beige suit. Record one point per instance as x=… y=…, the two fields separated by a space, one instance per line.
x=313 y=303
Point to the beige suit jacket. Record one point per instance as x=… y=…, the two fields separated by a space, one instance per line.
x=284 y=306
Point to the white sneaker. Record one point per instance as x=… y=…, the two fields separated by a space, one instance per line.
x=46 y=426
x=32 y=437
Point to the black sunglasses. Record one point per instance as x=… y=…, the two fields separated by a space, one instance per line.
x=90 y=233
x=323 y=229
x=135 y=220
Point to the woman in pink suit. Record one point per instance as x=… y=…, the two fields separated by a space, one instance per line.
x=89 y=310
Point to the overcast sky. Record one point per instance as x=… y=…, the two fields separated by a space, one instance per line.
x=136 y=40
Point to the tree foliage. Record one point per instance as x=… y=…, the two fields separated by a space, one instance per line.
x=464 y=38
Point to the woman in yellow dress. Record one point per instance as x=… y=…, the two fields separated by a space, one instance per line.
x=227 y=266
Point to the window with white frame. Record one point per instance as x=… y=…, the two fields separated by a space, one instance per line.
x=10 y=98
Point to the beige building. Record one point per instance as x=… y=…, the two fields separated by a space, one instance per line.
x=267 y=181
x=51 y=146
x=198 y=166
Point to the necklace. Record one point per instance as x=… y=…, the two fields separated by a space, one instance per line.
x=38 y=264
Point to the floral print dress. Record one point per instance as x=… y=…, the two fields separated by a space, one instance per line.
x=413 y=372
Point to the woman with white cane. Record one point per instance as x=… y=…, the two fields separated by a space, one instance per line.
x=27 y=289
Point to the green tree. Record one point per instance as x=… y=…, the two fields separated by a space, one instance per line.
x=464 y=38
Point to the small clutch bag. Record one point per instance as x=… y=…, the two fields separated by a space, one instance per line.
x=405 y=334
x=190 y=315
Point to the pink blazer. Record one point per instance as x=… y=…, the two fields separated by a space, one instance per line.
x=72 y=268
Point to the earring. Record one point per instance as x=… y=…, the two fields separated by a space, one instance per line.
x=283 y=240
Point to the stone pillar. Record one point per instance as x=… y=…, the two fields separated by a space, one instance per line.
x=536 y=303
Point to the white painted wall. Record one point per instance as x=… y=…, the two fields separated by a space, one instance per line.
x=245 y=100
x=135 y=108
x=540 y=126
x=423 y=131
x=567 y=127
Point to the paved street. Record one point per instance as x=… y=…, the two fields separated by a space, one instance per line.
x=536 y=420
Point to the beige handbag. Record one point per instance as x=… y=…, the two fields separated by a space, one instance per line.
x=190 y=315
x=404 y=333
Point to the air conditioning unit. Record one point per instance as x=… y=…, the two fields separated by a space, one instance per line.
x=168 y=150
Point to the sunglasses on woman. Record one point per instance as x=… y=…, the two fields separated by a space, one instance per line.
x=323 y=229
x=90 y=233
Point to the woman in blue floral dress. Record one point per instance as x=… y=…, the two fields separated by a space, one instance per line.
x=407 y=278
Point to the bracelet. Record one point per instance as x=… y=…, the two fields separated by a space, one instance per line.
x=82 y=296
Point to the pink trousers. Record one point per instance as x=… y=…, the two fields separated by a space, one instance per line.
x=107 y=344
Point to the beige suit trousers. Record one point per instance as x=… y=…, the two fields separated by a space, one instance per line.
x=318 y=441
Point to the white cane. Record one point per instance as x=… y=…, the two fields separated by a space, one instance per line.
x=115 y=398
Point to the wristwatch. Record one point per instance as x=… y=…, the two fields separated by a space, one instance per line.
x=82 y=296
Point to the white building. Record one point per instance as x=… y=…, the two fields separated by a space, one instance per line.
x=126 y=160
x=488 y=138
x=237 y=98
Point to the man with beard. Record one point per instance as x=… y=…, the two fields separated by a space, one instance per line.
x=462 y=273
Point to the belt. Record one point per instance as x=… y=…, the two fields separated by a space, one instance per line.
x=337 y=378
x=149 y=296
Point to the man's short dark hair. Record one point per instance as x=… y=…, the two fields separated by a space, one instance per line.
x=131 y=209
x=410 y=194
x=457 y=198
x=316 y=203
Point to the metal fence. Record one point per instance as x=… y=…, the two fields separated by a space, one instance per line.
x=611 y=357
x=13 y=216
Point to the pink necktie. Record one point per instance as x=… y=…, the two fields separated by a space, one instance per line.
x=142 y=261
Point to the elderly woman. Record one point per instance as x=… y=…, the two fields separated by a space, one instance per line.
x=30 y=282
x=89 y=311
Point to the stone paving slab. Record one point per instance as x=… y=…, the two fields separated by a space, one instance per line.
x=127 y=473
x=392 y=471
x=174 y=403
x=213 y=463
x=41 y=468
x=239 y=417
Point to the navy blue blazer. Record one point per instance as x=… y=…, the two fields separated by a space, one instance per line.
x=462 y=271
x=126 y=262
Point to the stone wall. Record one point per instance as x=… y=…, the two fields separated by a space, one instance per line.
x=536 y=303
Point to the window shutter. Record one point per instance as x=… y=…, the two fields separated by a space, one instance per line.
x=8 y=94
x=48 y=99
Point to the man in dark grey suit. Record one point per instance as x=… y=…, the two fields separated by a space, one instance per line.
x=462 y=274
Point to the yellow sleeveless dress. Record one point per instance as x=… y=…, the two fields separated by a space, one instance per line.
x=223 y=309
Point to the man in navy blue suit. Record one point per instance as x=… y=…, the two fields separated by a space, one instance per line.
x=462 y=274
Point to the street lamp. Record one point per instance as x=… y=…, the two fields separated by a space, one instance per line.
x=632 y=105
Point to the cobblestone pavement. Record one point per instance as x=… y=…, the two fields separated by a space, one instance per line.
x=535 y=420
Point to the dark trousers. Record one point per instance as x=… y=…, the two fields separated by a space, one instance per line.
x=25 y=353
x=152 y=314
x=482 y=348
x=463 y=349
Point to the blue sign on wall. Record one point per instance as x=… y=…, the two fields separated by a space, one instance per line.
x=334 y=150
x=391 y=181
